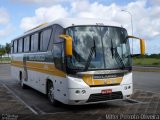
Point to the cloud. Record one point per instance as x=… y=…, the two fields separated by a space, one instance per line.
x=5 y=27
x=43 y=15
x=4 y=16
x=145 y=18
x=41 y=2
x=5 y=31
x=154 y=2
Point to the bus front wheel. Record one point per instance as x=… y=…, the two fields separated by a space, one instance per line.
x=50 y=93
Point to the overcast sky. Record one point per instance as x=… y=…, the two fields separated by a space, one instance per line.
x=17 y=16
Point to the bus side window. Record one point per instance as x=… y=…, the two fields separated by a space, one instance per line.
x=15 y=46
x=59 y=55
x=59 y=30
x=20 y=45
x=41 y=41
x=12 y=47
x=34 y=42
x=27 y=44
x=50 y=47
x=58 y=49
x=44 y=39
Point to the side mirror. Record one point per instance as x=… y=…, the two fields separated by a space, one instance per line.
x=68 y=45
x=142 y=44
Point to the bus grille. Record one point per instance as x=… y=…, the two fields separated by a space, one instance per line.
x=104 y=97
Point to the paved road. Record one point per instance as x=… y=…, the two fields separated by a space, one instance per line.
x=38 y=102
x=148 y=81
x=146 y=69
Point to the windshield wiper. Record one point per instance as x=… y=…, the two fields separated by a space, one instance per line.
x=93 y=50
x=116 y=55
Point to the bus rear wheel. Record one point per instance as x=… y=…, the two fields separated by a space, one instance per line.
x=50 y=93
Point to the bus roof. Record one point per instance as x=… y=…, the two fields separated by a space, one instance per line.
x=68 y=22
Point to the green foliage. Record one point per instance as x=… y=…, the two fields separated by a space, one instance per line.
x=2 y=51
x=5 y=60
x=8 y=48
x=5 y=49
x=149 y=56
x=155 y=63
x=146 y=62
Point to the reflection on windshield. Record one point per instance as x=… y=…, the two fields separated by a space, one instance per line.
x=105 y=39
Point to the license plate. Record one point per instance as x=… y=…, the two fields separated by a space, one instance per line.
x=107 y=91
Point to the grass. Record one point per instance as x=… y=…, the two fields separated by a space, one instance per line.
x=146 y=62
x=5 y=60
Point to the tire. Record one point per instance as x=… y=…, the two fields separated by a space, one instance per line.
x=50 y=94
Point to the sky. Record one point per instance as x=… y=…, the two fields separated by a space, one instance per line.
x=18 y=16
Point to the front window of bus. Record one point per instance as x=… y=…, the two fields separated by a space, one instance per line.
x=98 y=47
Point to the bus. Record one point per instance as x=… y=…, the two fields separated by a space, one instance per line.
x=75 y=61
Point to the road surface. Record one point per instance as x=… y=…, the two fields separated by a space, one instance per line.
x=147 y=81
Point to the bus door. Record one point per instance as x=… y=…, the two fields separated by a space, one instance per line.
x=25 y=73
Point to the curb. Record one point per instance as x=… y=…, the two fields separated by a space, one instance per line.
x=5 y=62
x=146 y=70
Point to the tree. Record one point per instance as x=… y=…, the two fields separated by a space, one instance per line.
x=8 y=48
x=2 y=51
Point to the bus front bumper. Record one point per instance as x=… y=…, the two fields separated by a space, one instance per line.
x=94 y=94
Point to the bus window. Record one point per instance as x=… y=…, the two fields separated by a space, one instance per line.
x=15 y=46
x=27 y=44
x=59 y=55
x=20 y=45
x=58 y=48
x=44 y=39
x=59 y=31
x=34 y=42
x=12 y=47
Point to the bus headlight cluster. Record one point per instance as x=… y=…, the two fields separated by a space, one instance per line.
x=127 y=87
x=78 y=91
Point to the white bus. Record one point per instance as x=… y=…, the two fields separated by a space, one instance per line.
x=75 y=61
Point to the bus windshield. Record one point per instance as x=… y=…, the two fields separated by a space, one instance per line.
x=99 y=47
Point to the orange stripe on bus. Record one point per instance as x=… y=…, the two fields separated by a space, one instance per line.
x=40 y=67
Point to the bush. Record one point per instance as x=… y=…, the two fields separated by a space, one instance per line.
x=155 y=63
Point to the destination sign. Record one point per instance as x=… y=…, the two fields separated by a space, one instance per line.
x=104 y=76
